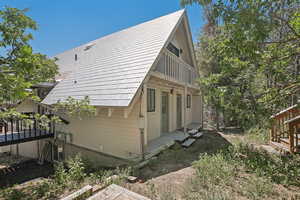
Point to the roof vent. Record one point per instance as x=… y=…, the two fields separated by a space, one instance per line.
x=87 y=47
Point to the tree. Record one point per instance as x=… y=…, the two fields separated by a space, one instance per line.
x=255 y=47
x=20 y=67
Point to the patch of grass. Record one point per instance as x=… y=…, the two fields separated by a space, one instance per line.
x=242 y=171
x=197 y=190
x=13 y=194
x=279 y=169
x=215 y=169
x=257 y=135
x=257 y=188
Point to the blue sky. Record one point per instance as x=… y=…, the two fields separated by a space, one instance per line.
x=64 y=24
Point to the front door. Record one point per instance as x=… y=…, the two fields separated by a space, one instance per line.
x=164 y=112
x=179 y=111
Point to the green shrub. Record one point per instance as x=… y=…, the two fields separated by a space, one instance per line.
x=14 y=194
x=60 y=176
x=76 y=172
x=214 y=169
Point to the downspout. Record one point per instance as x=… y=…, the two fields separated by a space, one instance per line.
x=184 y=100
x=202 y=110
x=142 y=124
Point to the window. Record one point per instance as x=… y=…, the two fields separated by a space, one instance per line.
x=150 y=100
x=173 y=49
x=75 y=57
x=188 y=101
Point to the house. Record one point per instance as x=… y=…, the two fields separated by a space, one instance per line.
x=143 y=83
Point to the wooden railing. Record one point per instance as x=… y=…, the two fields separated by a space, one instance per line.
x=14 y=131
x=174 y=68
x=284 y=128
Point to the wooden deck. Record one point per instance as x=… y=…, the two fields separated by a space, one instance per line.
x=24 y=136
x=15 y=131
x=284 y=133
x=115 y=192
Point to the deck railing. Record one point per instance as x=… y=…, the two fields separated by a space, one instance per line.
x=175 y=69
x=284 y=129
x=14 y=131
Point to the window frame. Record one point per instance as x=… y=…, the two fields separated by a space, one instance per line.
x=173 y=49
x=188 y=101
x=151 y=106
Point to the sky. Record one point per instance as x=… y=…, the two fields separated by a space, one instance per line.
x=65 y=24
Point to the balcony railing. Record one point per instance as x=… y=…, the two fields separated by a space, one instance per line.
x=15 y=131
x=175 y=69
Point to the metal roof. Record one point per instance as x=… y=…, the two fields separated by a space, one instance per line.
x=111 y=69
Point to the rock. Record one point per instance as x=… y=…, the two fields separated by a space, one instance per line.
x=132 y=179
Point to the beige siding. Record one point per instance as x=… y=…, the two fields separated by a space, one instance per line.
x=27 y=149
x=180 y=41
x=154 y=118
x=115 y=135
x=197 y=107
x=27 y=106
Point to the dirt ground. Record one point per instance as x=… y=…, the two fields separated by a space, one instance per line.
x=173 y=168
x=168 y=173
x=177 y=158
x=6 y=160
x=17 y=170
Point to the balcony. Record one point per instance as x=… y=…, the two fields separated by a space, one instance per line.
x=173 y=69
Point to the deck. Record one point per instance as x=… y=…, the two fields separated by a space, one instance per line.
x=18 y=131
x=24 y=136
x=166 y=140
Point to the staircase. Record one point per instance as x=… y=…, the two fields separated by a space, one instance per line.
x=285 y=130
x=194 y=134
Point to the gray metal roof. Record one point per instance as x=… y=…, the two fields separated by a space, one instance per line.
x=111 y=69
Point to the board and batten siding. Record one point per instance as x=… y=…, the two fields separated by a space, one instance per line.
x=115 y=135
x=27 y=106
x=154 y=118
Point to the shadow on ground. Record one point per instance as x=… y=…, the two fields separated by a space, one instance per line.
x=22 y=172
x=177 y=158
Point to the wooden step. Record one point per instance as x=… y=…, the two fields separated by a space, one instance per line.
x=188 y=142
x=285 y=140
x=197 y=135
x=280 y=146
x=193 y=132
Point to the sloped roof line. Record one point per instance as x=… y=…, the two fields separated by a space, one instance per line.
x=103 y=56
x=117 y=32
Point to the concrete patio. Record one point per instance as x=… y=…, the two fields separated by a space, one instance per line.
x=166 y=140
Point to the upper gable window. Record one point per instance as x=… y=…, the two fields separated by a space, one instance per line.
x=171 y=47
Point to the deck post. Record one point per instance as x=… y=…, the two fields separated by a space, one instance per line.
x=291 y=137
x=184 y=109
x=143 y=120
x=144 y=112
